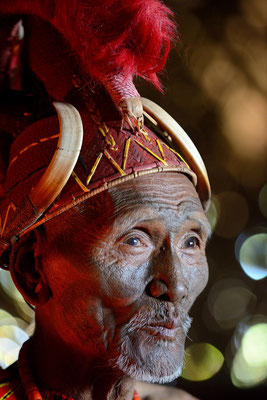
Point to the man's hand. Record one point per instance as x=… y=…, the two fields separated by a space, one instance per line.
x=149 y=391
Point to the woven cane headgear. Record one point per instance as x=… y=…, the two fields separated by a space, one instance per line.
x=50 y=172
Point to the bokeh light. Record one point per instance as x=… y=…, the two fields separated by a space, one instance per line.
x=216 y=89
x=10 y=289
x=229 y=300
x=249 y=48
x=254 y=345
x=255 y=12
x=12 y=336
x=249 y=366
x=263 y=200
x=8 y=319
x=219 y=75
x=13 y=333
x=9 y=351
x=244 y=325
x=202 y=361
x=13 y=330
x=244 y=375
x=8 y=285
x=245 y=123
x=233 y=215
x=252 y=255
x=213 y=212
x=11 y=340
x=25 y=311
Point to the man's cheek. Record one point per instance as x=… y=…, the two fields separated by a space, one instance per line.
x=197 y=279
x=105 y=257
x=123 y=285
x=118 y=277
x=80 y=313
x=203 y=274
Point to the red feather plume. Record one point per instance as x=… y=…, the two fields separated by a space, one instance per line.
x=128 y=37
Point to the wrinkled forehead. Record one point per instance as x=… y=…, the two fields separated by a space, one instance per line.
x=166 y=189
x=143 y=195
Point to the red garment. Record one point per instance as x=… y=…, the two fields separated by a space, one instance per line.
x=11 y=387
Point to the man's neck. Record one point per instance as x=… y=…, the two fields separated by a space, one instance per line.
x=61 y=368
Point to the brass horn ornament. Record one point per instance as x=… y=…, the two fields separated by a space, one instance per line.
x=55 y=177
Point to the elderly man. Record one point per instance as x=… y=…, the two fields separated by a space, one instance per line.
x=104 y=232
x=114 y=262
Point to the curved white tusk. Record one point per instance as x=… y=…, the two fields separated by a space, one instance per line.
x=54 y=178
x=175 y=135
x=64 y=160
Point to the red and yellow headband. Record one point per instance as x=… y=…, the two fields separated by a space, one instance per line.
x=54 y=166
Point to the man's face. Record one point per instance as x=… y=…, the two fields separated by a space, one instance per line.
x=124 y=274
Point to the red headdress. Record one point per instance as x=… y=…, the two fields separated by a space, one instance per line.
x=50 y=168
x=42 y=181
x=112 y=40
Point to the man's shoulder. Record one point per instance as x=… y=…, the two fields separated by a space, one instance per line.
x=10 y=386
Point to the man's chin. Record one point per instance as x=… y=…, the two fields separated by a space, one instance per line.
x=152 y=376
x=151 y=359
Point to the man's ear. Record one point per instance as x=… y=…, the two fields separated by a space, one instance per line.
x=27 y=269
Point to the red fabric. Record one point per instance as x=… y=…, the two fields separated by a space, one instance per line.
x=11 y=388
x=125 y=37
x=136 y=396
x=103 y=136
x=10 y=385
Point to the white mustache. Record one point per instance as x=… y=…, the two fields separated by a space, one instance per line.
x=161 y=316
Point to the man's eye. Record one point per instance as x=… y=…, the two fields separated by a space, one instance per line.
x=191 y=242
x=134 y=241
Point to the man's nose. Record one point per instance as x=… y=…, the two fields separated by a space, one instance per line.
x=168 y=283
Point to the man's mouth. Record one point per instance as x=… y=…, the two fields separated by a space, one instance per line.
x=164 y=330
x=165 y=322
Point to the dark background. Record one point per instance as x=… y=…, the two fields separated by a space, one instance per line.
x=215 y=87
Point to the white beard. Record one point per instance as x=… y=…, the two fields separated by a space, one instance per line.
x=150 y=360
